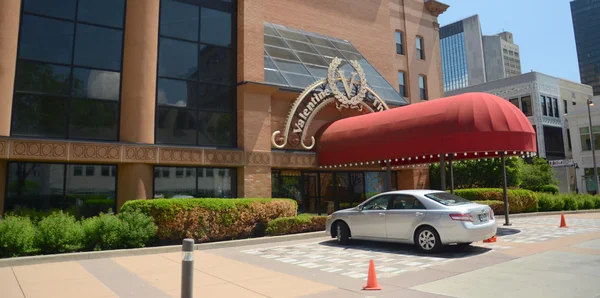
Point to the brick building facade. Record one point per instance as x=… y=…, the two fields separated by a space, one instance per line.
x=149 y=138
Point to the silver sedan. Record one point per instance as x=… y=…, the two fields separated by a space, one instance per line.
x=427 y=218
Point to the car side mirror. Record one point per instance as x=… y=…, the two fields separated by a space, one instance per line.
x=359 y=207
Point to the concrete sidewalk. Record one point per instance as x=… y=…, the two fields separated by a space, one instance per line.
x=540 y=260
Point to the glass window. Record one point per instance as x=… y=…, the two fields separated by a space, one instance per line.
x=420 y=48
x=178 y=59
x=106 y=12
x=48 y=96
x=216 y=65
x=176 y=126
x=544 y=110
x=515 y=102
x=569 y=138
x=98 y=47
x=218 y=186
x=565 y=106
x=46 y=40
x=549 y=106
x=586 y=145
x=194 y=184
x=404 y=202
x=216 y=97
x=423 y=87
x=379 y=203
x=215 y=128
x=59 y=8
x=105 y=171
x=90 y=170
x=215 y=27
x=399 y=43
x=91 y=119
x=526 y=105
x=555 y=107
x=38 y=115
x=178 y=172
x=402 y=84
x=77 y=170
x=42 y=78
x=177 y=93
x=97 y=84
x=447 y=199
x=179 y=20
x=41 y=186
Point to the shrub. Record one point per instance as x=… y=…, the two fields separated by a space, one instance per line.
x=570 y=202
x=103 y=232
x=17 y=236
x=497 y=206
x=548 y=202
x=59 y=232
x=553 y=189
x=519 y=200
x=348 y=205
x=296 y=224
x=138 y=229
x=596 y=202
x=33 y=214
x=211 y=219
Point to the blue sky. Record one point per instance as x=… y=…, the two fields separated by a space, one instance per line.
x=543 y=29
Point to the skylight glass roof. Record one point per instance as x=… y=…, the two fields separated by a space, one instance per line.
x=296 y=58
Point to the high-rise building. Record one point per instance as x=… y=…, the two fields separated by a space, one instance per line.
x=502 y=56
x=470 y=58
x=462 y=54
x=586 y=21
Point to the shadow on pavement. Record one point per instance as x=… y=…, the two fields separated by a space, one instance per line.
x=506 y=232
x=448 y=252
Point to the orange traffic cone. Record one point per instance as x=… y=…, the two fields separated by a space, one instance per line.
x=372 y=283
x=493 y=239
x=563 y=223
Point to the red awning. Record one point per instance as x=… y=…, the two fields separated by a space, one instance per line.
x=466 y=126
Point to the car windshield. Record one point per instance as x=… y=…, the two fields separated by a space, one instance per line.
x=447 y=199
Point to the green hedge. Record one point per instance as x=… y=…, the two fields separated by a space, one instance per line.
x=296 y=224
x=553 y=189
x=519 y=200
x=212 y=219
x=60 y=232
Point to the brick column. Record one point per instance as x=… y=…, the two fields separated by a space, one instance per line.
x=3 y=168
x=135 y=182
x=254 y=135
x=138 y=95
x=10 y=11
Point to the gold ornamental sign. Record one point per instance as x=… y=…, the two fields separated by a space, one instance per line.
x=346 y=92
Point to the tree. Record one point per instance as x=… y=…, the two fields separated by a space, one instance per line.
x=487 y=174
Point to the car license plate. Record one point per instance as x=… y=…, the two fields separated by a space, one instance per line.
x=483 y=217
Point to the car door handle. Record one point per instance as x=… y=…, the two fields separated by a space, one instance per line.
x=420 y=213
x=381 y=214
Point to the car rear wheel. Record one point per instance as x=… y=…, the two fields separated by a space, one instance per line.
x=342 y=233
x=428 y=240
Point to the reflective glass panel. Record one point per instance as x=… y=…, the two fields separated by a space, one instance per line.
x=174 y=186
x=216 y=65
x=215 y=27
x=42 y=78
x=37 y=186
x=105 y=12
x=100 y=84
x=179 y=20
x=93 y=119
x=176 y=126
x=53 y=8
x=37 y=115
x=177 y=93
x=46 y=39
x=178 y=59
x=216 y=129
x=98 y=47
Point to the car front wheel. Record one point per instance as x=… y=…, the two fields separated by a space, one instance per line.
x=428 y=240
x=342 y=233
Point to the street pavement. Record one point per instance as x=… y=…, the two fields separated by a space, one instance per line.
x=532 y=258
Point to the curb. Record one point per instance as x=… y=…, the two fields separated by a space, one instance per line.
x=550 y=213
x=90 y=255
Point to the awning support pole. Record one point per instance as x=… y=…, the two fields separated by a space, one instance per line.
x=504 y=190
x=442 y=172
x=389 y=175
x=451 y=164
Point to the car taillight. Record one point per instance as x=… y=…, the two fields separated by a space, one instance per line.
x=491 y=214
x=462 y=217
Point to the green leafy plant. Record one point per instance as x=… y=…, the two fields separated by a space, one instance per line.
x=553 y=189
x=17 y=236
x=519 y=200
x=296 y=224
x=58 y=233
x=138 y=229
x=211 y=219
x=497 y=206
x=103 y=232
